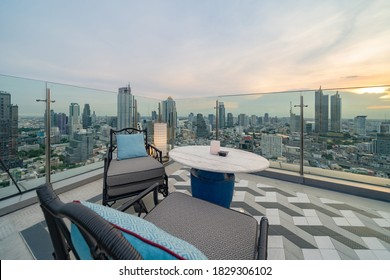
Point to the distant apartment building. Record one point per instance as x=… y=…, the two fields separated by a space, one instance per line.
x=321 y=115
x=169 y=116
x=230 y=120
x=335 y=112
x=359 y=125
x=243 y=120
x=74 y=123
x=8 y=130
x=125 y=108
x=221 y=115
x=382 y=144
x=271 y=145
x=201 y=128
x=86 y=117
x=80 y=148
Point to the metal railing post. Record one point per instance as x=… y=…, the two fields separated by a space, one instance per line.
x=47 y=139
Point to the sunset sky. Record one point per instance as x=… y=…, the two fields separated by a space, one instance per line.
x=188 y=48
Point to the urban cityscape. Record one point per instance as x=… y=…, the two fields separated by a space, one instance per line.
x=80 y=137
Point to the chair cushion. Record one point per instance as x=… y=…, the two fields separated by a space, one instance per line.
x=139 y=173
x=150 y=241
x=130 y=146
x=220 y=233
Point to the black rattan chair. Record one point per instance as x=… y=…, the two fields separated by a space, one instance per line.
x=129 y=177
x=217 y=232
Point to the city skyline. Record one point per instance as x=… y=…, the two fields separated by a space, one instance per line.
x=199 y=48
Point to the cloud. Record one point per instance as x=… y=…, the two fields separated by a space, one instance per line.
x=378 y=107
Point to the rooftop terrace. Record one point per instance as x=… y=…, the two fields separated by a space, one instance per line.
x=305 y=222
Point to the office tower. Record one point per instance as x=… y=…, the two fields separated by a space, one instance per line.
x=230 y=120
x=62 y=122
x=211 y=118
x=382 y=144
x=201 y=128
x=243 y=120
x=360 y=125
x=266 y=118
x=253 y=120
x=295 y=121
x=8 y=130
x=93 y=118
x=169 y=116
x=74 y=118
x=221 y=115
x=335 y=112
x=385 y=127
x=80 y=148
x=87 y=120
x=321 y=112
x=191 y=117
x=271 y=145
x=125 y=108
x=154 y=116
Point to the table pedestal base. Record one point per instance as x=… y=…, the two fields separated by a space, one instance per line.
x=214 y=187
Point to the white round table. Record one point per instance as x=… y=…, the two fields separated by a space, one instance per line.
x=212 y=176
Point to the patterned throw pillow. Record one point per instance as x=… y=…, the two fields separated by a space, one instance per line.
x=149 y=240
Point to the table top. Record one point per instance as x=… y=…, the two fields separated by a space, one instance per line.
x=199 y=157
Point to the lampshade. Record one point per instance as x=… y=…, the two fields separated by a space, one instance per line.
x=160 y=137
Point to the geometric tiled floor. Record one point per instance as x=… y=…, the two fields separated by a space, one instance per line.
x=310 y=225
x=305 y=222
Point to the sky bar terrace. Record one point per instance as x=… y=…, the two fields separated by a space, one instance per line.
x=326 y=193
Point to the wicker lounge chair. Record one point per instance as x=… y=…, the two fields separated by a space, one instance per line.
x=190 y=228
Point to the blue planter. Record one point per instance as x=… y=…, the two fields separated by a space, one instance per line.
x=214 y=187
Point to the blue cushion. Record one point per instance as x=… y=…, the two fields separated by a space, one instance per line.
x=130 y=146
x=149 y=240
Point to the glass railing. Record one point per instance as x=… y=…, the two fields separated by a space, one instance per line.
x=80 y=119
x=345 y=131
x=350 y=143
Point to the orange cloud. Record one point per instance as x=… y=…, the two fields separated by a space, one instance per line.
x=379 y=107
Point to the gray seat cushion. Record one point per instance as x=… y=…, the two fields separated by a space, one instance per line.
x=218 y=232
x=132 y=175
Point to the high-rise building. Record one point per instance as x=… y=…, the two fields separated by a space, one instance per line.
x=243 y=120
x=74 y=123
x=87 y=120
x=384 y=127
x=201 y=129
x=271 y=145
x=80 y=148
x=221 y=115
x=8 y=130
x=169 y=116
x=382 y=144
x=360 y=125
x=321 y=112
x=335 y=112
x=62 y=122
x=266 y=118
x=230 y=120
x=211 y=118
x=125 y=108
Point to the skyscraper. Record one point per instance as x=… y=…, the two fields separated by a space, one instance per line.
x=87 y=120
x=321 y=112
x=169 y=116
x=335 y=112
x=230 y=120
x=8 y=130
x=221 y=115
x=360 y=125
x=125 y=108
x=74 y=123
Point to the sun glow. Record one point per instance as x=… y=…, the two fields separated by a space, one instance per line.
x=372 y=90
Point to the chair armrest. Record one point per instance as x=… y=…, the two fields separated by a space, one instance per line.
x=262 y=253
x=138 y=198
x=154 y=152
